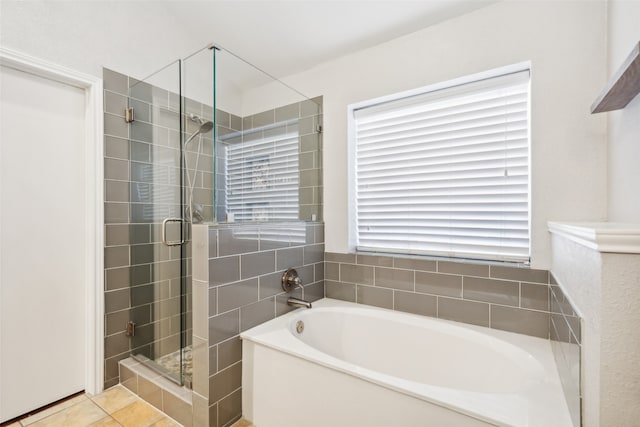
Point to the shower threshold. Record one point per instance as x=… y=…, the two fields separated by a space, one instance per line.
x=169 y=365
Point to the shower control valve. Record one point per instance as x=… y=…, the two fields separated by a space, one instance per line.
x=290 y=280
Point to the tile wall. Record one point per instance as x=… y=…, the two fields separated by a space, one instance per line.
x=566 y=343
x=237 y=285
x=501 y=297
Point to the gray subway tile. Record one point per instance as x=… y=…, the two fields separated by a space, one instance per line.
x=150 y=392
x=310 y=107
x=225 y=382
x=256 y=264
x=337 y=257
x=310 y=142
x=314 y=292
x=257 y=313
x=213 y=360
x=116 y=256
x=313 y=253
x=224 y=326
x=213 y=301
x=463 y=268
x=213 y=243
x=528 y=322
x=115 y=126
x=319 y=271
x=116 y=344
x=270 y=284
x=140 y=152
x=237 y=294
x=310 y=178
x=116 y=322
x=394 y=278
x=356 y=274
x=378 y=297
x=140 y=274
x=177 y=409
x=141 y=110
x=142 y=254
x=476 y=313
x=426 y=305
x=114 y=103
x=116 y=169
x=439 y=284
x=116 y=191
x=116 y=213
x=115 y=81
x=491 y=290
x=229 y=352
x=224 y=270
x=287 y=112
x=289 y=257
x=139 y=233
x=318 y=235
x=232 y=243
x=414 y=264
x=341 y=291
x=534 y=296
x=374 y=260
x=520 y=274
x=141 y=131
x=128 y=378
x=116 y=235
x=117 y=278
x=230 y=409
x=306 y=274
x=117 y=148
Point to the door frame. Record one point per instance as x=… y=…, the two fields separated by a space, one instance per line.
x=94 y=196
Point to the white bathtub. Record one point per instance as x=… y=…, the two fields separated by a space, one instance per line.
x=356 y=365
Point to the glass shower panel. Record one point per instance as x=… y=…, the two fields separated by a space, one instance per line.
x=158 y=257
x=268 y=154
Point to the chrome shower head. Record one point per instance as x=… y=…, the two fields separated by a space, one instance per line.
x=205 y=127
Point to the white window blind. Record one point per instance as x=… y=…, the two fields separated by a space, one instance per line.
x=262 y=176
x=446 y=172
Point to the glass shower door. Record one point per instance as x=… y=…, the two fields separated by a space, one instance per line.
x=158 y=255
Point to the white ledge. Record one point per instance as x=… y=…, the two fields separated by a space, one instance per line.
x=613 y=237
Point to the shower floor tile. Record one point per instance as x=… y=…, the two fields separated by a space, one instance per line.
x=116 y=407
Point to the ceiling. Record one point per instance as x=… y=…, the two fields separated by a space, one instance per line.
x=138 y=37
x=287 y=37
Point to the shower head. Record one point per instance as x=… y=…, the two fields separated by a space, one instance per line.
x=205 y=127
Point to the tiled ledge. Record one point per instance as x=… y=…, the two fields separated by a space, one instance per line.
x=170 y=398
x=514 y=299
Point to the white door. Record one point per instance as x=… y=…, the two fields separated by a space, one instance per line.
x=42 y=239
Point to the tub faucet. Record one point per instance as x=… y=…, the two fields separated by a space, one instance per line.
x=290 y=281
x=297 y=302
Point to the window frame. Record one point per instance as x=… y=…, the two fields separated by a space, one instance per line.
x=352 y=161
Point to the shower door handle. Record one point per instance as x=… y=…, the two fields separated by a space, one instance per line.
x=164 y=232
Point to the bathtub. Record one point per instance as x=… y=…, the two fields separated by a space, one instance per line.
x=355 y=365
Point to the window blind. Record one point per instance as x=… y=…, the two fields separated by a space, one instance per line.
x=262 y=176
x=446 y=172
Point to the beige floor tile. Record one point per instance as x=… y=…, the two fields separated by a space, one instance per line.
x=54 y=409
x=242 y=423
x=114 y=399
x=80 y=414
x=14 y=425
x=107 y=421
x=138 y=414
x=166 y=422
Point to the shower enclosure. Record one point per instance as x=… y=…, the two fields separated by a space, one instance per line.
x=213 y=139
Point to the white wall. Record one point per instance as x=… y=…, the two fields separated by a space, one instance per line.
x=564 y=42
x=624 y=125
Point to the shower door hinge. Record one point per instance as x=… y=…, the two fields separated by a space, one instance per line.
x=128 y=115
x=131 y=329
x=319 y=128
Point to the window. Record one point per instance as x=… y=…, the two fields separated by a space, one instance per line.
x=262 y=174
x=446 y=171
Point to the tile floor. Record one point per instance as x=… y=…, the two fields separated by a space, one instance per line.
x=116 y=407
